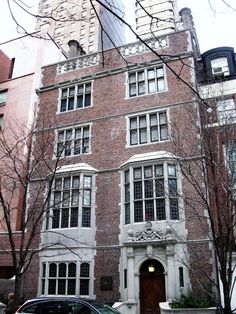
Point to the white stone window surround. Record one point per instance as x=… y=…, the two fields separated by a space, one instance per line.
x=146 y=160
x=146 y=81
x=77 y=92
x=230 y=161
x=149 y=126
x=72 y=140
x=71 y=258
x=83 y=172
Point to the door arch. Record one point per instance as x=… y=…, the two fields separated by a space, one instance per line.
x=152 y=286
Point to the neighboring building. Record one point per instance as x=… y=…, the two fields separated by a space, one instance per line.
x=20 y=67
x=119 y=222
x=156 y=17
x=217 y=82
x=78 y=20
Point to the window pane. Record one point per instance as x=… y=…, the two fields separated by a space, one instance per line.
x=160 y=72
x=133 y=137
x=147 y=172
x=52 y=286
x=71 y=91
x=133 y=123
x=151 y=73
x=58 y=184
x=149 y=210
x=63 y=105
x=72 y=270
x=172 y=187
x=80 y=101
x=62 y=270
x=132 y=90
x=71 y=287
x=127 y=214
x=84 y=270
x=138 y=190
x=66 y=183
x=160 y=191
x=153 y=119
x=160 y=209
x=154 y=134
x=148 y=188
x=132 y=78
x=87 y=197
x=65 y=218
x=84 y=286
x=172 y=170
x=141 y=88
x=55 y=218
x=75 y=183
x=143 y=136
x=87 y=181
x=163 y=118
x=52 y=270
x=159 y=170
x=174 y=209
x=71 y=103
x=137 y=173
x=61 y=286
x=75 y=198
x=138 y=211
x=141 y=76
x=87 y=101
x=86 y=217
x=161 y=85
x=163 y=132
x=151 y=86
x=66 y=199
x=142 y=122
x=74 y=217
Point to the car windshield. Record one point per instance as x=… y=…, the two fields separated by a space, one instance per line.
x=104 y=308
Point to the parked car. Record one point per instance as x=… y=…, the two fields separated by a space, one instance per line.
x=64 y=305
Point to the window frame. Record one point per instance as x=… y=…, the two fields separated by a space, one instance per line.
x=69 y=145
x=149 y=127
x=3 y=92
x=75 y=97
x=145 y=81
x=45 y=277
x=226 y=115
x=129 y=199
x=76 y=197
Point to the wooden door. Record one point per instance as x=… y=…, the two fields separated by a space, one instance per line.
x=152 y=292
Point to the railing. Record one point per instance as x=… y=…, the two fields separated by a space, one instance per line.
x=132 y=49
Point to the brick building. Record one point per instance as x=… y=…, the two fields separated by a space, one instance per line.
x=120 y=225
x=18 y=81
x=216 y=77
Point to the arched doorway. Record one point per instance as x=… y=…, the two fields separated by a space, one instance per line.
x=152 y=287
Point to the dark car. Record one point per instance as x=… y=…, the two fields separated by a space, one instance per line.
x=64 y=306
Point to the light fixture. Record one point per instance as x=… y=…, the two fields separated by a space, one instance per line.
x=151 y=268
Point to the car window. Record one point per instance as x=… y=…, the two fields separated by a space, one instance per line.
x=52 y=307
x=104 y=308
x=31 y=309
x=78 y=308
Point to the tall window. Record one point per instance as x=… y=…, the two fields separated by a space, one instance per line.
x=75 y=97
x=3 y=97
x=84 y=279
x=146 y=81
x=59 y=278
x=148 y=128
x=72 y=199
x=75 y=141
x=151 y=193
x=231 y=159
x=226 y=111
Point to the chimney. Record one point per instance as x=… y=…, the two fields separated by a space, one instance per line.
x=75 y=49
x=187 y=22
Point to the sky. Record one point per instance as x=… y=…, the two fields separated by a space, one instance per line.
x=215 y=22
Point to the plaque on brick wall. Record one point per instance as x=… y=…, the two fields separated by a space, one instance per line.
x=106 y=283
